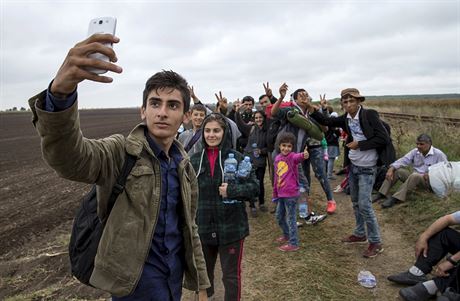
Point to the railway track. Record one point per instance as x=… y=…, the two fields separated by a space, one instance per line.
x=445 y=120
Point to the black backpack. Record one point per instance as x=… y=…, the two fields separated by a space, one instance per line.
x=87 y=227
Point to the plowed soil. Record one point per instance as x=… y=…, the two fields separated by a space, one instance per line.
x=37 y=208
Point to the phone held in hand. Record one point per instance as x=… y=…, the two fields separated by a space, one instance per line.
x=101 y=25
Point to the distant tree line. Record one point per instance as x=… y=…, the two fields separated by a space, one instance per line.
x=15 y=109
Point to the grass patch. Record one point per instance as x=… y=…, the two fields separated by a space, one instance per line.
x=420 y=211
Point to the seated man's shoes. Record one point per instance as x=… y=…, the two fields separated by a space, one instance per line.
x=407 y=278
x=377 y=197
x=417 y=292
x=449 y=295
x=389 y=202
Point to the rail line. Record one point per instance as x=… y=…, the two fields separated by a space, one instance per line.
x=445 y=120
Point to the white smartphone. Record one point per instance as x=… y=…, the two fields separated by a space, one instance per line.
x=101 y=25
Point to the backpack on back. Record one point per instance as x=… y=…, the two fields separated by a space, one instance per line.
x=87 y=228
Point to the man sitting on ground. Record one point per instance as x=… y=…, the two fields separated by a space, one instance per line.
x=420 y=158
x=433 y=244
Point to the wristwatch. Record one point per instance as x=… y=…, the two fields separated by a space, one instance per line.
x=449 y=259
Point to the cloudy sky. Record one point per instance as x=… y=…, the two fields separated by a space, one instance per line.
x=381 y=47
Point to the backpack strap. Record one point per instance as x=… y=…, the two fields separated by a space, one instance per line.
x=193 y=140
x=119 y=186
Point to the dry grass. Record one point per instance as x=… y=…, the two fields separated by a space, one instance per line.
x=423 y=107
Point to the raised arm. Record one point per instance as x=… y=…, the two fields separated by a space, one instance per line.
x=283 y=90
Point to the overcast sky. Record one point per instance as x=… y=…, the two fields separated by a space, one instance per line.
x=379 y=47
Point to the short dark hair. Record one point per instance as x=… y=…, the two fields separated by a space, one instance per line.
x=424 y=138
x=248 y=98
x=296 y=92
x=198 y=107
x=167 y=79
x=262 y=96
x=286 y=137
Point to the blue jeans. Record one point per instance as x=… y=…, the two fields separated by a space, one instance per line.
x=286 y=217
x=361 y=180
x=317 y=162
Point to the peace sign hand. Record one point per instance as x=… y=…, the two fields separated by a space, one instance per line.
x=322 y=100
x=268 y=91
x=220 y=98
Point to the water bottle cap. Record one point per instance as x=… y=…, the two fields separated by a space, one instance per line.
x=246 y=158
x=231 y=155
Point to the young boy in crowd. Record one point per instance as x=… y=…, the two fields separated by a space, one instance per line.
x=286 y=190
x=191 y=139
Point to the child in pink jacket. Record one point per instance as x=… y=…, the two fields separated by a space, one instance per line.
x=286 y=190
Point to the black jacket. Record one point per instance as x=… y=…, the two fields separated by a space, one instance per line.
x=377 y=137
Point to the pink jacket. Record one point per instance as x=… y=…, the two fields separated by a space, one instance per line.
x=286 y=182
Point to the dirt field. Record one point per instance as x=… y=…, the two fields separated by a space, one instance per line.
x=37 y=209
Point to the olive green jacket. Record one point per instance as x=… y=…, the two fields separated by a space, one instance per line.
x=128 y=234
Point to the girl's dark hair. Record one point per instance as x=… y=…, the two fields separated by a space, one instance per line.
x=167 y=79
x=219 y=118
x=264 y=124
x=286 y=137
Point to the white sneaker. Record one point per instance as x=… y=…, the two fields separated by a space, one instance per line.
x=299 y=224
x=338 y=189
x=313 y=219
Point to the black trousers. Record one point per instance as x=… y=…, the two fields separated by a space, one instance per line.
x=230 y=261
x=260 y=174
x=445 y=241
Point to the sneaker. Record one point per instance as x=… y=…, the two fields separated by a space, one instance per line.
x=353 y=239
x=449 y=295
x=282 y=239
x=389 y=202
x=331 y=206
x=288 y=248
x=313 y=219
x=253 y=212
x=407 y=278
x=299 y=224
x=373 y=250
x=263 y=208
x=377 y=197
x=417 y=292
x=338 y=189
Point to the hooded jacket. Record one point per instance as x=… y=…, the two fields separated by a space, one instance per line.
x=255 y=135
x=128 y=233
x=219 y=223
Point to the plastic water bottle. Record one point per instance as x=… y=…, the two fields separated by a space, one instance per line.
x=366 y=279
x=244 y=168
x=324 y=147
x=255 y=151
x=230 y=169
x=303 y=209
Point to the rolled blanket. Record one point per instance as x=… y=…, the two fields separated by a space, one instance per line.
x=300 y=121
